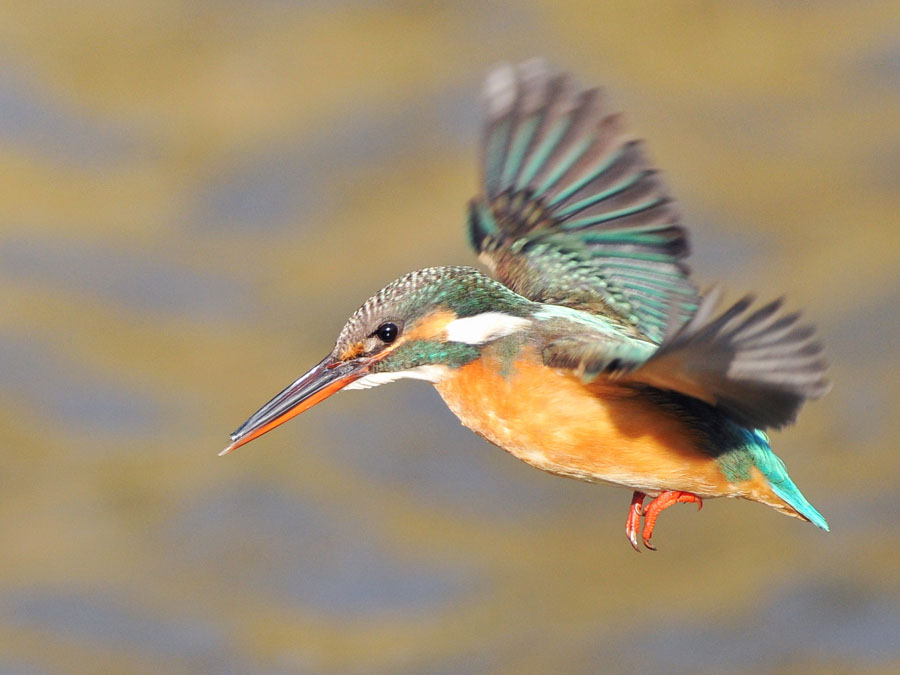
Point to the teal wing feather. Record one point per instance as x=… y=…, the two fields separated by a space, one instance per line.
x=572 y=213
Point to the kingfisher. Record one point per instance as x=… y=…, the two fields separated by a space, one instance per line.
x=590 y=353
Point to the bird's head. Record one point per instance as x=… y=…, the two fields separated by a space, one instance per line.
x=420 y=326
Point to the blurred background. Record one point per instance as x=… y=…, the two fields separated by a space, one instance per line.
x=195 y=195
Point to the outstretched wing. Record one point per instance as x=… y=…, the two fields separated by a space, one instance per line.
x=759 y=367
x=572 y=213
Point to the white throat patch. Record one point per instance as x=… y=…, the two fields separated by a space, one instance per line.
x=481 y=328
x=429 y=373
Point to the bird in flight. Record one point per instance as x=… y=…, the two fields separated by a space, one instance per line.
x=590 y=353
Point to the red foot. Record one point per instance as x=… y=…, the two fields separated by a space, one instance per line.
x=633 y=523
x=661 y=503
x=651 y=513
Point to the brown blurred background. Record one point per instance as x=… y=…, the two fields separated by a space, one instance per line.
x=195 y=195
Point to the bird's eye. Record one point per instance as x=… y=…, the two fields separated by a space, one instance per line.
x=387 y=332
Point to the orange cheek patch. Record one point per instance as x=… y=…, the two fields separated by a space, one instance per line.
x=430 y=325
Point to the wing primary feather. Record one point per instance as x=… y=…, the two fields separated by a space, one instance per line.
x=573 y=143
x=591 y=221
x=602 y=169
x=500 y=96
x=603 y=195
x=559 y=92
x=641 y=188
x=534 y=81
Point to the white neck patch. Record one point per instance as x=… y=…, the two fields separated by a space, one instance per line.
x=429 y=373
x=481 y=328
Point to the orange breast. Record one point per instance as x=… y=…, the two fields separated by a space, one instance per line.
x=597 y=432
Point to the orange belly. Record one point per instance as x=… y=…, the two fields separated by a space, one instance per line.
x=600 y=432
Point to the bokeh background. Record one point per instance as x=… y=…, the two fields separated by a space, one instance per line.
x=195 y=195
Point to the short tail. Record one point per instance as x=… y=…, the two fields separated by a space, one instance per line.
x=771 y=466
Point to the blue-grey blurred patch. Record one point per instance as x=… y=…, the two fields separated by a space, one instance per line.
x=867 y=328
x=139 y=281
x=11 y=666
x=511 y=31
x=861 y=339
x=492 y=659
x=114 y=623
x=878 y=64
x=293 y=182
x=831 y=623
x=861 y=411
x=866 y=517
x=722 y=251
x=298 y=551
x=884 y=165
x=68 y=394
x=55 y=128
x=427 y=453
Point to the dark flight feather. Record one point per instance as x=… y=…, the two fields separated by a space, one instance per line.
x=759 y=367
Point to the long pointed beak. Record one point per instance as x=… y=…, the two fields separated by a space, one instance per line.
x=319 y=383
